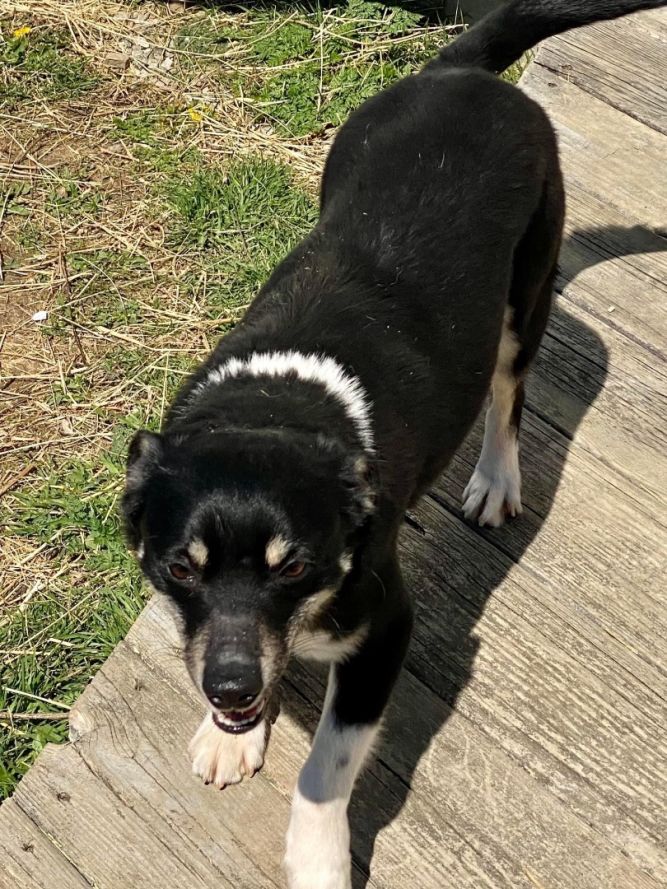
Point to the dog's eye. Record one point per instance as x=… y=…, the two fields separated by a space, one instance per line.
x=293 y=570
x=180 y=571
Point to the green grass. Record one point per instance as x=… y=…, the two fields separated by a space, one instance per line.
x=309 y=74
x=73 y=510
x=241 y=221
x=139 y=126
x=40 y=65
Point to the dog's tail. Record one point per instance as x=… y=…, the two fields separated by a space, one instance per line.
x=504 y=35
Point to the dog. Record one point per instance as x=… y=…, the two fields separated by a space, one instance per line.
x=268 y=509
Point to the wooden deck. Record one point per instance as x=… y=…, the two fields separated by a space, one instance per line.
x=526 y=745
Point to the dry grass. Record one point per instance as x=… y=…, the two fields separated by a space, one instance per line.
x=37 y=146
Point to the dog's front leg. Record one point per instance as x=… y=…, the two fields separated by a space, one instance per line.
x=318 y=839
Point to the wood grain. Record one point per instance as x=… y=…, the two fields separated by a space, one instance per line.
x=622 y=62
x=606 y=152
x=30 y=858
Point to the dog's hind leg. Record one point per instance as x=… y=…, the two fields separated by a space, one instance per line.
x=494 y=490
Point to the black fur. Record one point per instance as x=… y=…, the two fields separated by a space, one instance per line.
x=441 y=206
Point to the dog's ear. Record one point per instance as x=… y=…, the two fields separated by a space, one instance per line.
x=143 y=457
x=358 y=477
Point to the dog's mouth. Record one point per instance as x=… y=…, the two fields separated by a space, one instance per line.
x=238 y=721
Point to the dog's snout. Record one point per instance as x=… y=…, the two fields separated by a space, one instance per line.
x=232 y=686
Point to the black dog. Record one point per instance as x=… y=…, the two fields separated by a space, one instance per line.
x=269 y=507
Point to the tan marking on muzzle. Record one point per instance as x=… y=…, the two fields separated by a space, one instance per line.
x=273 y=656
x=195 y=655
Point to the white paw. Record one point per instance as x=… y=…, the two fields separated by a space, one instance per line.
x=222 y=758
x=318 y=845
x=491 y=495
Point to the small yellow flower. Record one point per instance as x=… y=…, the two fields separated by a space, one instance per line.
x=21 y=32
x=195 y=115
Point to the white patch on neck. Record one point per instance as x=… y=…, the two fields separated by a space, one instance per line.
x=311 y=368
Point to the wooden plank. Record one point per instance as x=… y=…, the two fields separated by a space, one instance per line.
x=454 y=771
x=597 y=568
x=655 y=21
x=608 y=372
x=112 y=845
x=613 y=198
x=619 y=418
x=582 y=555
x=614 y=308
x=622 y=358
x=604 y=151
x=617 y=270
x=621 y=62
x=29 y=859
x=602 y=232
x=461 y=836
x=535 y=690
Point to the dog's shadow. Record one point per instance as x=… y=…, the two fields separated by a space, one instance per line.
x=458 y=611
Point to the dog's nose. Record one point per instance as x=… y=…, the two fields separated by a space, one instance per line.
x=233 y=688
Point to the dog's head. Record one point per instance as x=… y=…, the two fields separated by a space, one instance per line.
x=252 y=535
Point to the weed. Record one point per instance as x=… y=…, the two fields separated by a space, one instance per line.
x=13 y=198
x=284 y=44
x=138 y=126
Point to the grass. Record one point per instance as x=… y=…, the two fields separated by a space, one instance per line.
x=155 y=164
x=307 y=71
x=39 y=64
x=73 y=510
x=244 y=219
